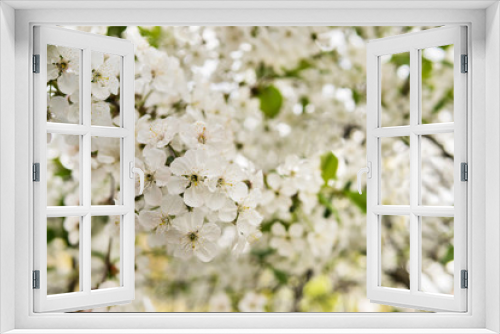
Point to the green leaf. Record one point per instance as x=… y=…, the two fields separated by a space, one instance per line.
x=270 y=101
x=60 y=170
x=116 y=31
x=281 y=276
x=329 y=166
x=449 y=256
x=153 y=35
x=356 y=198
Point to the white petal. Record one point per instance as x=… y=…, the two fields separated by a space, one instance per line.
x=210 y=232
x=154 y=158
x=162 y=176
x=194 y=196
x=152 y=195
x=278 y=229
x=172 y=205
x=296 y=230
x=150 y=219
x=177 y=184
x=174 y=236
x=228 y=212
x=68 y=83
x=206 y=251
x=274 y=181
x=215 y=200
x=238 y=192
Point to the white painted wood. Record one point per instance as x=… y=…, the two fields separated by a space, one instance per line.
x=413 y=43
x=86 y=298
x=469 y=322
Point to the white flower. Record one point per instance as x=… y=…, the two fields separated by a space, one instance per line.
x=72 y=226
x=60 y=110
x=287 y=243
x=228 y=184
x=321 y=240
x=160 y=132
x=193 y=237
x=171 y=206
x=252 y=302
x=219 y=302
x=104 y=75
x=156 y=174
x=199 y=135
x=247 y=217
x=63 y=64
x=190 y=172
x=100 y=114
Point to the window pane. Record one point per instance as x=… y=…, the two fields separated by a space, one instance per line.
x=437 y=84
x=395 y=251
x=63 y=170
x=63 y=255
x=63 y=84
x=395 y=171
x=437 y=169
x=395 y=89
x=437 y=255
x=105 y=85
x=106 y=171
x=105 y=244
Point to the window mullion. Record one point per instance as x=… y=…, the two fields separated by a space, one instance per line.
x=414 y=171
x=86 y=171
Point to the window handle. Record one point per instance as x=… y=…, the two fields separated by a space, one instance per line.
x=134 y=170
x=368 y=171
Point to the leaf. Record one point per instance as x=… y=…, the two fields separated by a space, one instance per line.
x=270 y=101
x=60 y=170
x=281 y=276
x=153 y=35
x=356 y=198
x=449 y=256
x=329 y=166
x=116 y=31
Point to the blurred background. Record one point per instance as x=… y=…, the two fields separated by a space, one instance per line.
x=287 y=107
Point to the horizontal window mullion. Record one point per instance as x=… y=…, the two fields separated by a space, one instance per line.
x=67 y=211
x=102 y=131
x=433 y=211
x=392 y=210
x=393 y=131
x=424 y=129
x=67 y=129
x=109 y=210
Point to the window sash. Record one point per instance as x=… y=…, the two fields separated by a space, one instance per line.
x=86 y=297
x=412 y=43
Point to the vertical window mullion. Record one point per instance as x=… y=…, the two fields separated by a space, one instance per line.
x=414 y=170
x=86 y=171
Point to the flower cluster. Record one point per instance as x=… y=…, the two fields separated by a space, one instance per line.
x=250 y=139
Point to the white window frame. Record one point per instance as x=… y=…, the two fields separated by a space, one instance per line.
x=483 y=211
x=414 y=43
x=87 y=43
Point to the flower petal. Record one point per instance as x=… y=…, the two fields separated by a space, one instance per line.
x=172 y=205
x=206 y=251
x=194 y=196
x=152 y=195
x=176 y=185
x=210 y=232
x=150 y=219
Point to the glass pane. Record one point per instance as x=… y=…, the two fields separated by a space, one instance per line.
x=105 y=244
x=105 y=89
x=437 y=255
x=395 y=251
x=63 y=84
x=437 y=84
x=63 y=255
x=395 y=171
x=395 y=89
x=437 y=169
x=106 y=171
x=63 y=170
